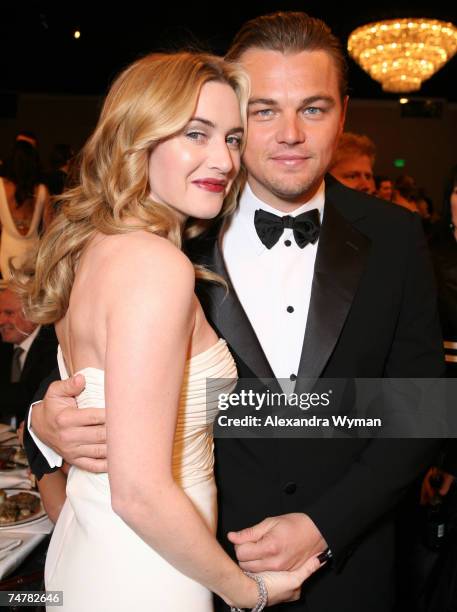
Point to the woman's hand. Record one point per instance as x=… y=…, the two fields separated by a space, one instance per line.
x=435 y=481
x=286 y=586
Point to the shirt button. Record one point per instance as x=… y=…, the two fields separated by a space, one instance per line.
x=290 y=308
x=287 y=242
x=293 y=377
x=290 y=488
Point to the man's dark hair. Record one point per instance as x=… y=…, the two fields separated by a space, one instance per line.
x=60 y=155
x=28 y=136
x=290 y=32
x=380 y=178
x=407 y=187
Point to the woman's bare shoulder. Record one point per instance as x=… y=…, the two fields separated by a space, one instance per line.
x=142 y=256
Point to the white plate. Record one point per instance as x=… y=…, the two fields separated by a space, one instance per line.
x=9 y=438
x=13 y=465
x=27 y=521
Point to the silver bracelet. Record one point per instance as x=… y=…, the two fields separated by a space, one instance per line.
x=263 y=594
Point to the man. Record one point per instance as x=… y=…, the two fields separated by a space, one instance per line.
x=353 y=162
x=340 y=306
x=384 y=187
x=27 y=355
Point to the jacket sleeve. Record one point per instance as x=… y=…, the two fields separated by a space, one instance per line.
x=37 y=462
x=376 y=480
x=449 y=463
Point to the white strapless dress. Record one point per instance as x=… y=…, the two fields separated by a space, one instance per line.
x=12 y=243
x=99 y=563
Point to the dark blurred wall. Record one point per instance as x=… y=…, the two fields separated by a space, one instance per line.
x=427 y=144
x=54 y=118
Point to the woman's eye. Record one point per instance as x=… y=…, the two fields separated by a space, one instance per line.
x=234 y=141
x=198 y=136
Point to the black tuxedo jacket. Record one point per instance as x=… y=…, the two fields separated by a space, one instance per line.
x=372 y=314
x=41 y=359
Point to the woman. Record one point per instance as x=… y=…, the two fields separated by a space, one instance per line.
x=23 y=202
x=111 y=273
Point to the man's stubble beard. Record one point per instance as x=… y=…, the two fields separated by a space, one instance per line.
x=289 y=191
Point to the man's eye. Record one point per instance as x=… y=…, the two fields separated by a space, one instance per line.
x=313 y=110
x=263 y=112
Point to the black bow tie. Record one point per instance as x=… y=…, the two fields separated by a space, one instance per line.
x=270 y=227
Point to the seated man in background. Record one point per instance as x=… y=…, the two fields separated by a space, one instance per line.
x=28 y=354
x=353 y=162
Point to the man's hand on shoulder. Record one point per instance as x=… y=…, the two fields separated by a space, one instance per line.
x=79 y=436
x=278 y=543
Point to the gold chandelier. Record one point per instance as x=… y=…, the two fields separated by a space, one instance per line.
x=402 y=53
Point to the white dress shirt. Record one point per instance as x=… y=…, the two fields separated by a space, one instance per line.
x=273 y=285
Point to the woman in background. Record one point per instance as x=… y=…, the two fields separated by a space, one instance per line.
x=24 y=203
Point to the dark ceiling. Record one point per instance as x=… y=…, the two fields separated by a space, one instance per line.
x=39 y=53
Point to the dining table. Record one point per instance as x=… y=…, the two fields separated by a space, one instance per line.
x=23 y=542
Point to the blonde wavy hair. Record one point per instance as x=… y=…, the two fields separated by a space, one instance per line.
x=152 y=99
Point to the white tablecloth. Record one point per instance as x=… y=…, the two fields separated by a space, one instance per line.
x=15 y=479
x=31 y=536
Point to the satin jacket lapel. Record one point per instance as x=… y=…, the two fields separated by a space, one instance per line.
x=340 y=262
x=224 y=311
